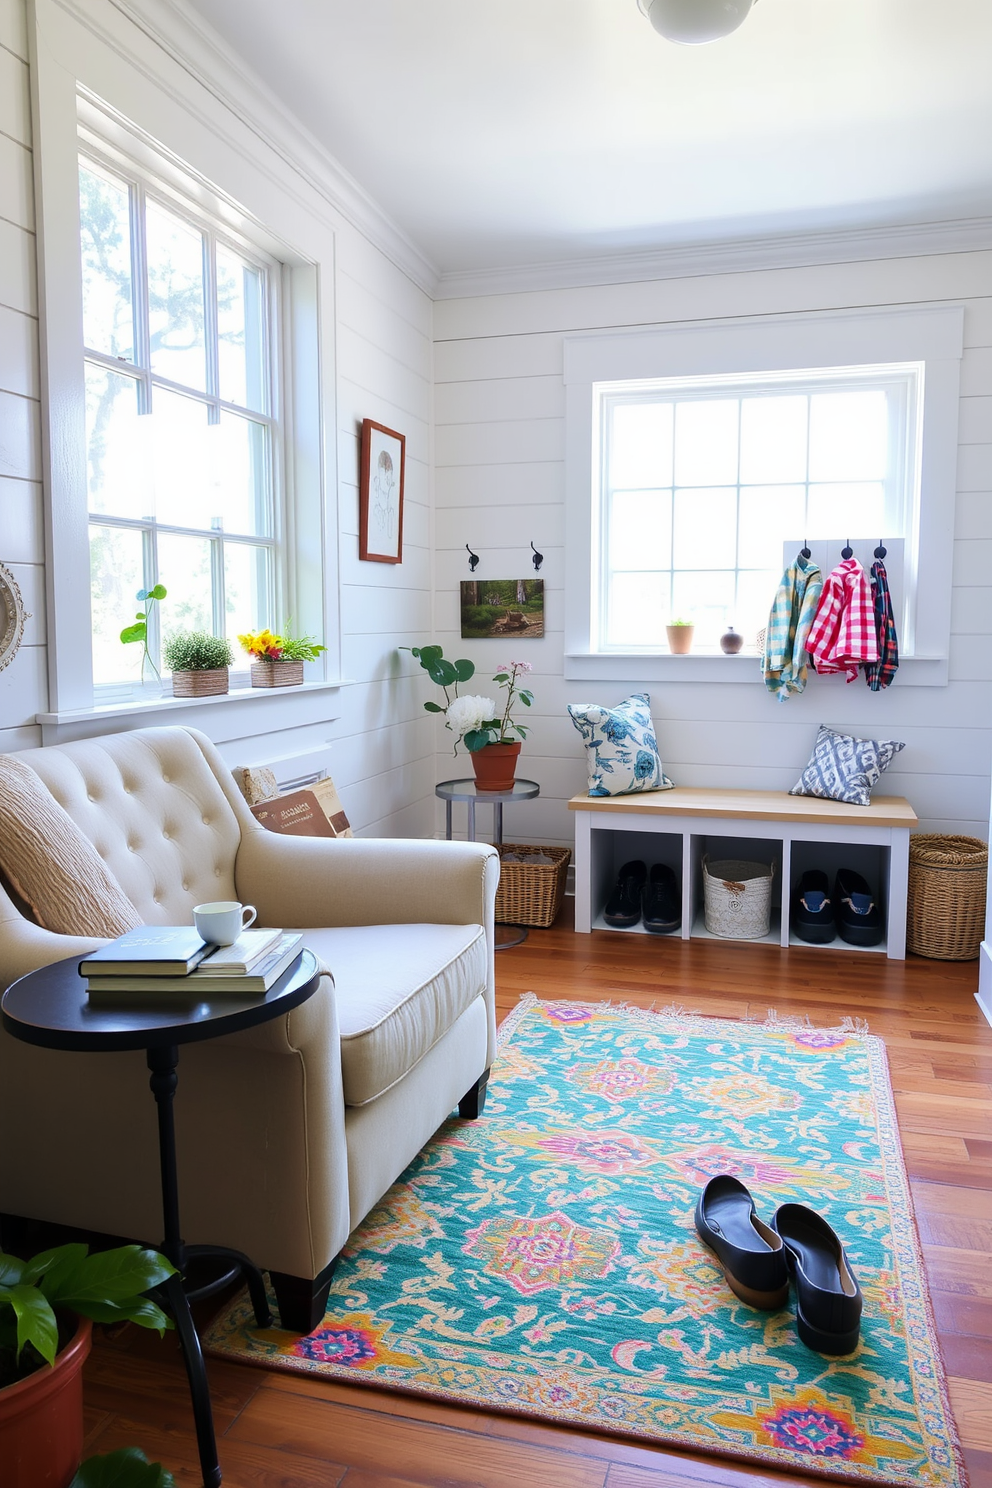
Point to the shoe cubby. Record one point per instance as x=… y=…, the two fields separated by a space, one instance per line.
x=870 y=860
x=796 y=834
x=720 y=849
x=610 y=850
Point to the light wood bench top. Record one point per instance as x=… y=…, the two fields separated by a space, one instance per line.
x=753 y=805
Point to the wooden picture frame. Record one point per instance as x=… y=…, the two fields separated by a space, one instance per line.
x=380 y=507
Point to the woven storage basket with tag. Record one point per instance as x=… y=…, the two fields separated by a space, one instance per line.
x=945 y=915
x=530 y=893
x=738 y=898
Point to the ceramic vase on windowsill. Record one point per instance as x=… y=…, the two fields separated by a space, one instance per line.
x=495 y=766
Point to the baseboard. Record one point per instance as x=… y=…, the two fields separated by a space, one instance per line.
x=984 y=994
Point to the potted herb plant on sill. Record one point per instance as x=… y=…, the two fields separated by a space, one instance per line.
x=680 y=634
x=277 y=660
x=199 y=663
x=47 y=1308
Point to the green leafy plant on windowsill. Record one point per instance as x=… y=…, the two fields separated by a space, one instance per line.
x=139 y=630
x=127 y=1468
x=196 y=651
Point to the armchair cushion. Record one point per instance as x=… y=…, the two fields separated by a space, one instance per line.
x=398 y=988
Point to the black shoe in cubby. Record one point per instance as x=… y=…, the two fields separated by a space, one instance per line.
x=661 y=902
x=859 y=918
x=813 y=910
x=623 y=908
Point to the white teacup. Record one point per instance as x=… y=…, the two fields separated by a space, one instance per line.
x=221 y=923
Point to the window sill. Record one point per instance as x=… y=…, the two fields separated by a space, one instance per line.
x=699 y=666
x=85 y=723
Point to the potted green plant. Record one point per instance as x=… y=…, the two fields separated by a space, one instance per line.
x=47 y=1308
x=277 y=660
x=126 y=1468
x=489 y=732
x=680 y=637
x=198 y=662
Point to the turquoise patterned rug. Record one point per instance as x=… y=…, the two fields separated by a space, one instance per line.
x=543 y=1260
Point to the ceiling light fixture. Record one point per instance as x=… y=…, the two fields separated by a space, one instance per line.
x=692 y=22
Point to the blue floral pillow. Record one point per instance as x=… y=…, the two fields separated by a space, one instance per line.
x=622 y=751
x=843 y=768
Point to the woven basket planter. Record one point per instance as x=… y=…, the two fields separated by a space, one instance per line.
x=276 y=673
x=738 y=898
x=210 y=682
x=945 y=916
x=531 y=893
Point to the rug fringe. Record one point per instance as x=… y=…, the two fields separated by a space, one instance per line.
x=850 y=1025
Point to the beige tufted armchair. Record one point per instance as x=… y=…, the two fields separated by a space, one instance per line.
x=288 y=1133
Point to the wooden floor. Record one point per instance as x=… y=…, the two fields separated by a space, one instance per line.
x=284 y=1431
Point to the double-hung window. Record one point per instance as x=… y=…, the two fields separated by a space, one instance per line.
x=183 y=419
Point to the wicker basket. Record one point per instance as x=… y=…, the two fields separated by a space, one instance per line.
x=208 y=682
x=945 y=916
x=531 y=893
x=738 y=898
x=276 y=673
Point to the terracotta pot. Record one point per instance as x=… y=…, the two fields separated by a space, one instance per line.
x=680 y=639
x=207 y=682
x=41 y=1420
x=276 y=673
x=494 y=766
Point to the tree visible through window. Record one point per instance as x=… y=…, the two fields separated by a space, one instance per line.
x=701 y=485
x=181 y=427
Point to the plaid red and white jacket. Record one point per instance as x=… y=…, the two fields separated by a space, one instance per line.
x=843 y=633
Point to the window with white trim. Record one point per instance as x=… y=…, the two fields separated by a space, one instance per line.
x=183 y=419
x=694 y=451
x=702 y=480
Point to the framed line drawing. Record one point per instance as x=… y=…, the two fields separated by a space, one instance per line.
x=380 y=508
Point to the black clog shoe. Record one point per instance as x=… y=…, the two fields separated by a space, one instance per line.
x=828 y=1298
x=623 y=908
x=859 y=918
x=812 y=909
x=661 y=902
x=751 y=1253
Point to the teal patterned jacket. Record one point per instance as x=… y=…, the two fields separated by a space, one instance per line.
x=783 y=665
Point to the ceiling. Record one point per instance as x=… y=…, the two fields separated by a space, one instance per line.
x=499 y=133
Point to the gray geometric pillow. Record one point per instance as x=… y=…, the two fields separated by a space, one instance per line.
x=842 y=768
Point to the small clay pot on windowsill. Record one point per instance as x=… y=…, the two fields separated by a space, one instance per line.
x=731 y=642
x=680 y=639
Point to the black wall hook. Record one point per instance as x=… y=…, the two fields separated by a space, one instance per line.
x=538 y=558
x=880 y=551
x=804 y=551
x=473 y=559
x=847 y=551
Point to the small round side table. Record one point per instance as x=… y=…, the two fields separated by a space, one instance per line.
x=51 y=1008
x=469 y=792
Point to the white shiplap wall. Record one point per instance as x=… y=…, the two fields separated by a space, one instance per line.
x=23 y=685
x=373 y=735
x=499 y=482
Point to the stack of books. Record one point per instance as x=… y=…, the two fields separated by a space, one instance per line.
x=165 y=958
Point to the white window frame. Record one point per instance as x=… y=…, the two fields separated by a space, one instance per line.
x=147 y=185
x=64 y=107
x=929 y=337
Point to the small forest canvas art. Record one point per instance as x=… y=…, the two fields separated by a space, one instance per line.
x=502 y=607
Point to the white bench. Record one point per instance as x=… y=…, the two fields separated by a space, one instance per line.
x=795 y=832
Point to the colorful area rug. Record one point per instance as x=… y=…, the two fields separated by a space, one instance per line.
x=543 y=1260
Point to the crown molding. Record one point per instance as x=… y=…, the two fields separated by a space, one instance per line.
x=736 y=256
x=177 y=29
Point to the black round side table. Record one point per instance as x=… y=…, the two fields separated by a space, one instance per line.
x=50 y=1007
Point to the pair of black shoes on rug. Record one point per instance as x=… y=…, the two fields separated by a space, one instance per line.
x=758 y=1261
x=852 y=913
x=653 y=897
